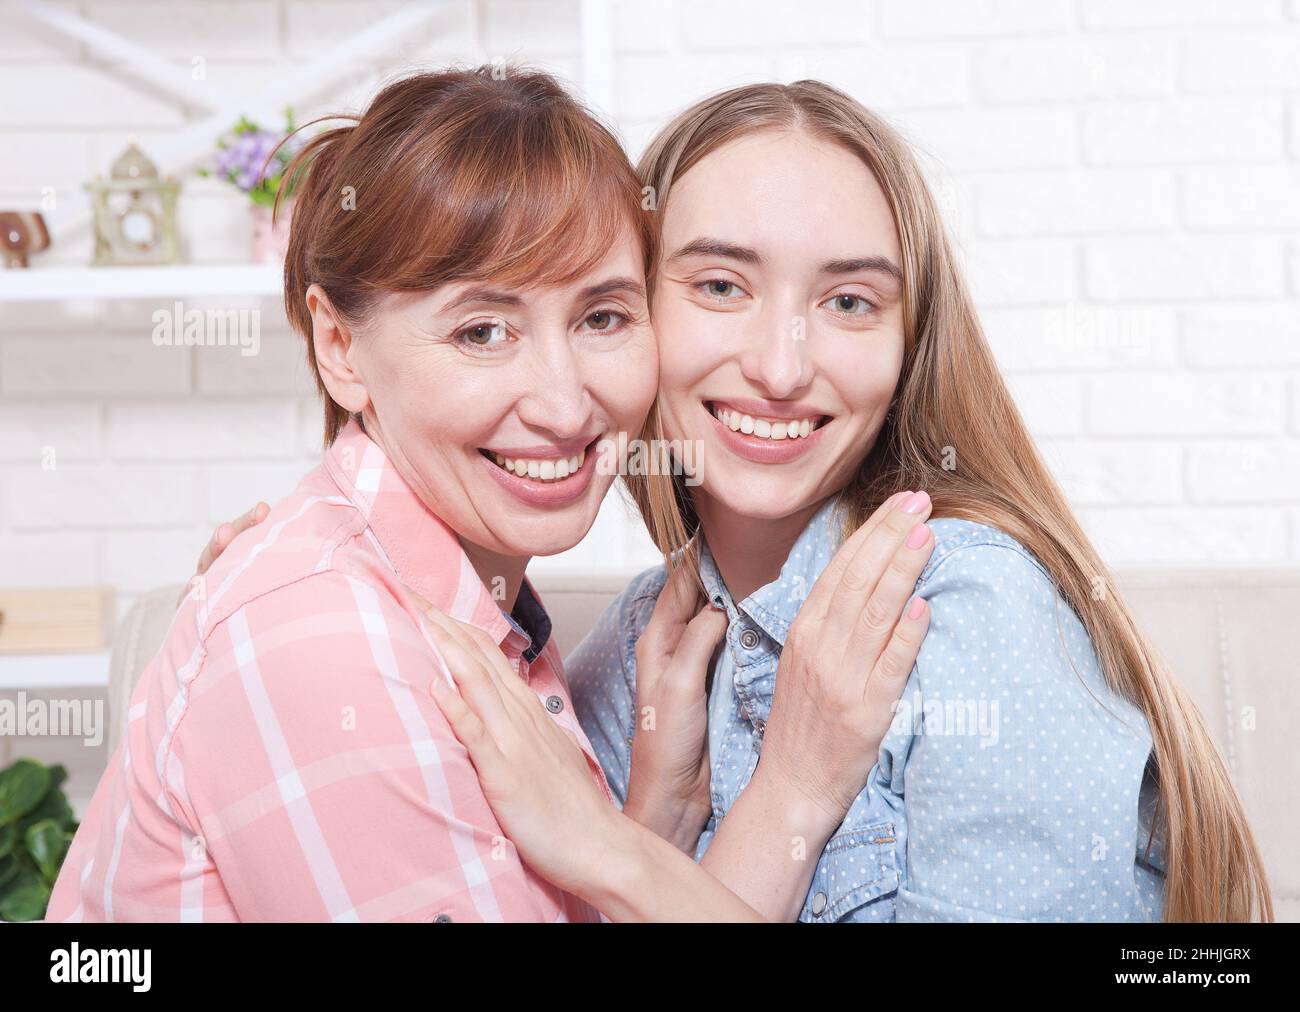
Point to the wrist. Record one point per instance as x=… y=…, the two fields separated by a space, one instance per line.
x=676 y=820
x=616 y=866
x=801 y=812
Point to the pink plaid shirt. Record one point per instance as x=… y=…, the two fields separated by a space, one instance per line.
x=284 y=758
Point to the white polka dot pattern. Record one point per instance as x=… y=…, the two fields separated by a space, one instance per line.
x=1013 y=784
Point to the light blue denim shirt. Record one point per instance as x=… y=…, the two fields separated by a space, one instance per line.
x=1013 y=783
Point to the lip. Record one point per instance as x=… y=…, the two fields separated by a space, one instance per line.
x=759 y=408
x=758 y=450
x=542 y=493
x=544 y=451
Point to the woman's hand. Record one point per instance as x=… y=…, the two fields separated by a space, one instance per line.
x=668 y=786
x=537 y=781
x=539 y=785
x=531 y=770
x=222 y=537
x=845 y=662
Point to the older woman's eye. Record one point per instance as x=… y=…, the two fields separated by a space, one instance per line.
x=604 y=321
x=483 y=335
x=849 y=305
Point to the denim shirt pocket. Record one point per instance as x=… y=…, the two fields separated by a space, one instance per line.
x=858 y=866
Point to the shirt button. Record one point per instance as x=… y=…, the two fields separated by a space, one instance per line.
x=442 y=919
x=749 y=639
x=819 y=905
x=554 y=703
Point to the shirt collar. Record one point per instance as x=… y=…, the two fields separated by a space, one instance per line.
x=774 y=605
x=424 y=552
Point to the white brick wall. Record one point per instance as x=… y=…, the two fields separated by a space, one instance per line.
x=1123 y=177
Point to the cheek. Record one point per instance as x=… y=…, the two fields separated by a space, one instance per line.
x=442 y=404
x=865 y=373
x=625 y=382
x=693 y=344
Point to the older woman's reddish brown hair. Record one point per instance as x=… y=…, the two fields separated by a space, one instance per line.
x=457 y=175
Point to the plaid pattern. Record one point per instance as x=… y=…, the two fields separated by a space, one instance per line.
x=285 y=759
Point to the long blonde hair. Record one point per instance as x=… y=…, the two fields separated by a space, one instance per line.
x=951 y=406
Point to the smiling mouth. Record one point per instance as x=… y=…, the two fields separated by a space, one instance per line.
x=543 y=470
x=767 y=428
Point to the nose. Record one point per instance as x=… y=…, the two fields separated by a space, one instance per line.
x=777 y=359
x=558 y=400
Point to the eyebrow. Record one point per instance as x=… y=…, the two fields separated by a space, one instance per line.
x=856 y=265
x=614 y=286
x=732 y=251
x=493 y=297
x=705 y=247
x=483 y=295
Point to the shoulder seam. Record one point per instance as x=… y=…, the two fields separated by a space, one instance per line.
x=327 y=557
x=980 y=540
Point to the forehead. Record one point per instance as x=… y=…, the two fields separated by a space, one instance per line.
x=785 y=194
x=622 y=261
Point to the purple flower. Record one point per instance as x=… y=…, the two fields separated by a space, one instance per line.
x=247 y=159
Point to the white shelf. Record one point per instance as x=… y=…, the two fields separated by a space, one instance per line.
x=52 y=284
x=53 y=671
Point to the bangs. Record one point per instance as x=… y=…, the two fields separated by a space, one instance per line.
x=553 y=227
x=530 y=198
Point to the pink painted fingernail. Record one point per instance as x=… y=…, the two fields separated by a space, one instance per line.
x=919 y=536
x=917 y=503
x=916 y=609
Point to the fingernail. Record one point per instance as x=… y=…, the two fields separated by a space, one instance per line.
x=919 y=536
x=917 y=503
x=916 y=608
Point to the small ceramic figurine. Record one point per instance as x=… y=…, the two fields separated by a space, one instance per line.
x=21 y=234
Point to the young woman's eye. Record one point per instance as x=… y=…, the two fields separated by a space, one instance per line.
x=720 y=288
x=604 y=321
x=488 y=334
x=849 y=304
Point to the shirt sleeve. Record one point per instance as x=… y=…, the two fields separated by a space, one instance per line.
x=1020 y=770
x=601 y=672
x=323 y=779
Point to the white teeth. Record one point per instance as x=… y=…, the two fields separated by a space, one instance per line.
x=553 y=469
x=765 y=428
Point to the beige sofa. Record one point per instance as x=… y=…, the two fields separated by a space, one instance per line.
x=1232 y=637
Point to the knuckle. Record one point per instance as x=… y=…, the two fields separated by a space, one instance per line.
x=893 y=666
x=877 y=617
x=855 y=579
x=901 y=570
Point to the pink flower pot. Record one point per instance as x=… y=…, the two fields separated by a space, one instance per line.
x=270 y=242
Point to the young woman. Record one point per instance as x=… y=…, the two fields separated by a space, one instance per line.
x=817 y=339
x=467 y=263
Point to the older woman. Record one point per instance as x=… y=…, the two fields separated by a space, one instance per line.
x=467 y=263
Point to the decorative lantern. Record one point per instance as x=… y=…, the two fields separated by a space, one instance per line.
x=135 y=213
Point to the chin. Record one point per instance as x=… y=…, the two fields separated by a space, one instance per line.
x=759 y=498
x=538 y=533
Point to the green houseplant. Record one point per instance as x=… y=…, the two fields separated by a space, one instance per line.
x=36 y=826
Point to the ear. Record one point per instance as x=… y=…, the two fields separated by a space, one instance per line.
x=332 y=341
